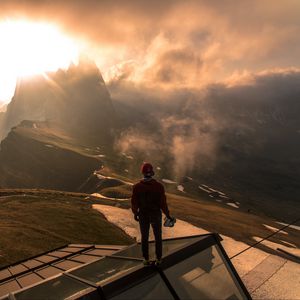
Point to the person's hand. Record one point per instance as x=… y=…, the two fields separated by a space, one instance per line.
x=136 y=217
x=169 y=221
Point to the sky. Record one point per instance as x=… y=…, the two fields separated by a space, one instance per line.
x=173 y=43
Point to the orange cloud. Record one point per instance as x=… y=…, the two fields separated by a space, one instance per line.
x=175 y=42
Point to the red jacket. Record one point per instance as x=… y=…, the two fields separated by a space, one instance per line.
x=149 y=197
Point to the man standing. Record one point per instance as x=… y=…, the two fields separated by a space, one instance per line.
x=147 y=201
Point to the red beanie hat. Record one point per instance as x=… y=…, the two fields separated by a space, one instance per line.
x=147 y=169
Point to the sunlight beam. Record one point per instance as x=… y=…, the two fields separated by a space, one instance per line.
x=30 y=48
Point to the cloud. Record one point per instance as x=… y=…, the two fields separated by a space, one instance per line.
x=176 y=66
x=254 y=116
x=200 y=74
x=193 y=142
x=133 y=140
x=172 y=42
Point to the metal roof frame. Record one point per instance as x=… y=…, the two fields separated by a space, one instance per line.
x=134 y=277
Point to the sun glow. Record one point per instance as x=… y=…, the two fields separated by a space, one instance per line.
x=29 y=48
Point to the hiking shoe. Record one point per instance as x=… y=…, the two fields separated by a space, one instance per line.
x=158 y=261
x=146 y=262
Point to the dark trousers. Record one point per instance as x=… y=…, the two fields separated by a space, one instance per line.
x=156 y=223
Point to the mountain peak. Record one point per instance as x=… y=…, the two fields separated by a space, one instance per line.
x=76 y=98
x=86 y=69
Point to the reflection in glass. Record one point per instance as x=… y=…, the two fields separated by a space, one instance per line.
x=105 y=269
x=203 y=276
x=58 y=288
x=152 y=288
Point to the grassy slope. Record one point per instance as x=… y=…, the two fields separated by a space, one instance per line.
x=123 y=191
x=31 y=157
x=34 y=221
x=50 y=133
x=31 y=223
x=228 y=221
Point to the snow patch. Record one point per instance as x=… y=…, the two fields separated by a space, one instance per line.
x=203 y=189
x=102 y=177
x=123 y=218
x=291 y=226
x=274 y=229
x=50 y=146
x=216 y=191
x=232 y=204
x=100 y=155
x=127 y=156
x=168 y=181
x=289 y=244
x=180 y=188
x=109 y=198
x=208 y=189
x=99 y=176
x=119 y=217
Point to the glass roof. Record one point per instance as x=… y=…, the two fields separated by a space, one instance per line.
x=58 y=288
x=29 y=279
x=9 y=286
x=192 y=268
x=203 y=276
x=43 y=266
x=151 y=288
x=105 y=269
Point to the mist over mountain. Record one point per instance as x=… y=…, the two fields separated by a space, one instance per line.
x=77 y=99
x=253 y=116
x=241 y=135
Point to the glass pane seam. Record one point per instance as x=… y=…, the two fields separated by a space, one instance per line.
x=232 y=272
x=34 y=272
x=124 y=257
x=57 y=267
x=74 y=260
x=168 y=284
x=90 y=283
x=16 y=279
x=90 y=254
x=54 y=256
